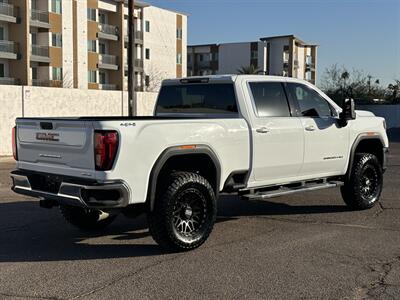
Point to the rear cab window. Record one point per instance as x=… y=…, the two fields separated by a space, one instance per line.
x=209 y=98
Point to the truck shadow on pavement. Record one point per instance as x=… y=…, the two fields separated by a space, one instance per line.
x=32 y=234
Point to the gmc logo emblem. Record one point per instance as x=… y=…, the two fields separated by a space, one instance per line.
x=43 y=136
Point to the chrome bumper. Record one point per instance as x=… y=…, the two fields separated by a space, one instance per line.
x=83 y=195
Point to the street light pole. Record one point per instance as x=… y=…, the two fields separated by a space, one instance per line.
x=131 y=58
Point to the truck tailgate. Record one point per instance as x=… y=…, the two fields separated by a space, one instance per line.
x=56 y=146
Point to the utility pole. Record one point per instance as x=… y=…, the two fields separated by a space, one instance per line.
x=131 y=58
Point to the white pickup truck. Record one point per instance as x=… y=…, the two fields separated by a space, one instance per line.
x=258 y=136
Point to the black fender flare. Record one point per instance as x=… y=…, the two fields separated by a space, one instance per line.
x=359 y=138
x=179 y=151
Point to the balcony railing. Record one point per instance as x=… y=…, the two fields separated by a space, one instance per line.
x=40 y=16
x=40 y=82
x=108 y=29
x=108 y=59
x=40 y=50
x=9 y=81
x=108 y=86
x=7 y=9
x=138 y=36
x=138 y=64
x=8 y=46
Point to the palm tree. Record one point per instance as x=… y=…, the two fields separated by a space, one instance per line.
x=251 y=69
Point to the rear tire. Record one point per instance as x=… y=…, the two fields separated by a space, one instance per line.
x=184 y=213
x=363 y=189
x=86 y=219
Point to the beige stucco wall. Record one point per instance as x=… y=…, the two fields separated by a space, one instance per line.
x=28 y=101
x=11 y=108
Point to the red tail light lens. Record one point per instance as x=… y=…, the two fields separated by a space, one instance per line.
x=14 y=142
x=105 y=149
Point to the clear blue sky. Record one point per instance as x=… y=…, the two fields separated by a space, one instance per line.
x=361 y=34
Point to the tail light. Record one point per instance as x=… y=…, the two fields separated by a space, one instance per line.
x=105 y=149
x=14 y=142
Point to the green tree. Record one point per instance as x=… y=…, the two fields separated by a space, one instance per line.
x=251 y=69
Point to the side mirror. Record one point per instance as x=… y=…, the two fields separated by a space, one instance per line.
x=348 y=111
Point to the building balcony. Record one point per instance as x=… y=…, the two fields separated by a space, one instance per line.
x=9 y=81
x=40 y=53
x=138 y=38
x=40 y=19
x=40 y=82
x=138 y=65
x=108 y=32
x=107 y=61
x=8 y=49
x=107 y=86
x=310 y=66
x=8 y=12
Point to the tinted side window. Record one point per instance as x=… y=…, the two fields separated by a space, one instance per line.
x=270 y=99
x=310 y=102
x=197 y=98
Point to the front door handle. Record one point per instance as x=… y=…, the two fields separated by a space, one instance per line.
x=310 y=128
x=262 y=130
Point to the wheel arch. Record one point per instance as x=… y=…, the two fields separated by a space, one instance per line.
x=199 y=158
x=373 y=144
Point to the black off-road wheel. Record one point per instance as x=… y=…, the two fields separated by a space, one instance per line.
x=86 y=219
x=184 y=213
x=363 y=189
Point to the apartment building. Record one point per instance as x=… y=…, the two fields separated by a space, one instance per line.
x=83 y=44
x=280 y=55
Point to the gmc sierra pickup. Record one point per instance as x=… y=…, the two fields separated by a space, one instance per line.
x=258 y=136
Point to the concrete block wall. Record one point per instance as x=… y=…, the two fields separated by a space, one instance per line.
x=29 y=101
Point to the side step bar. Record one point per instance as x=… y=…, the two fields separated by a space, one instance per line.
x=282 y=191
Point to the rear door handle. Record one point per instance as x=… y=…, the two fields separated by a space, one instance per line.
x=262 y=130
x=310 y=128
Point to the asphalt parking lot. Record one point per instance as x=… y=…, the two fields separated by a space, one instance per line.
x=306 y=246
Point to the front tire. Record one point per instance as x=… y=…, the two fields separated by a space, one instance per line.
x=184 y=213
x=363 y=189
x=86 y=219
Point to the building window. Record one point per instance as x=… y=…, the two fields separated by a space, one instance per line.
x=92 y=46
x=147 y=26
x=189 y=58
x=179 y=58
x=56 y=6
x=92 y=76
x=102 y=78
x=91 y=14
x=254 y=54
x=179 y=33
x=201 y=58
x=2 y=74
x=214 y=56
x=57 y=74
x=102 y=48
x=2 y=33
x=147 y=53
x=56 y=40
x=103 y=18
x=147 y=80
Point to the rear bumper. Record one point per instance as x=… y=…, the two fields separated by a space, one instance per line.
x=113 y=194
